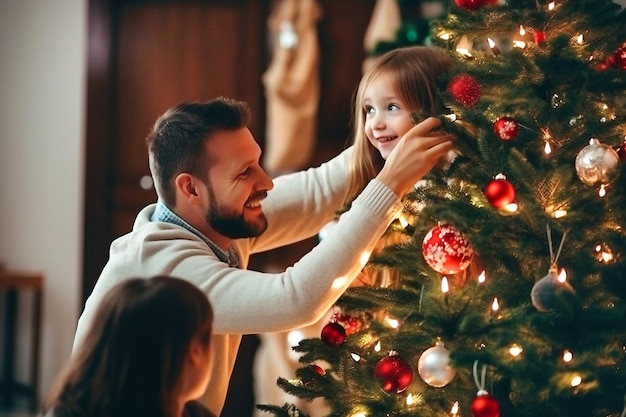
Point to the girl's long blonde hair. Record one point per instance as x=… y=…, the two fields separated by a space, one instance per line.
x=414 y=71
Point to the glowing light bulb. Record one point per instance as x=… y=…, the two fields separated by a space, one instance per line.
x=602 y=191
x=495 y=306
x=557 y=214
x=377 y=347
x=547 y=149
x=494 y=48
x=576 y=381
x=567 y=356
x=482 y=277
x=562 y=276
x=579 y=39
x=455 y=409
x=515 y=350
x=444 y=285
x=510 y=208
x=551 y=5
x=409 y=399
x=355 y=356
x=403 y=221
x=392 y=322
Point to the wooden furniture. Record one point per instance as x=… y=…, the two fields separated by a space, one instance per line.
x=12 y=283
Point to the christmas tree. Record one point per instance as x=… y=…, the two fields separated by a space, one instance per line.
x=512 y=297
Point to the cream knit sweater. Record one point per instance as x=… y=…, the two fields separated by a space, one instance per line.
x=249 y=302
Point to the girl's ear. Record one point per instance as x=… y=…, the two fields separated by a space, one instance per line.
x=195 y=352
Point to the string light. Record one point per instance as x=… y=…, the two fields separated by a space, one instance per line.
x=562 y=276
x=494 y=48
x=551 y=6
x=511 y=208
x=602 y=191
x=515 y=350
x=455 y=409
x=495 y=306
x=409 y=399
x=567 y=356
x=355 y=356
x=444 y=285
x=576 y=381
x=377 y=347
x=557 y=214
x=547 y=149
x=580 y=39
x=482 y=277
x=519 y=42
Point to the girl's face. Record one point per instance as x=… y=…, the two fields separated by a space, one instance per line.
x=387 y=117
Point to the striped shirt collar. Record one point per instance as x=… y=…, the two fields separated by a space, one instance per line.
x=162 y=213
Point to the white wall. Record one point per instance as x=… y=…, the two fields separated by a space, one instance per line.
x=42 y=97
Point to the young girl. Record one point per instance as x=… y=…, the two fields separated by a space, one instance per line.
x=147 y=355
x=397 y=92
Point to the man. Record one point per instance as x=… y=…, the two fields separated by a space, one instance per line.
x=216 y=206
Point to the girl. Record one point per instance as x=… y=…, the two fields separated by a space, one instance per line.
x=147 y=354
x=397 y=92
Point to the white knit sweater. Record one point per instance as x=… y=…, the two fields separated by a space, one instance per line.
x=250 y=302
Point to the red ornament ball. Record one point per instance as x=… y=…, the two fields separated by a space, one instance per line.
x=506 y=128
x=465 y=89
x=446 y=250
x=484 y=405
x=539 y=36
x=619 y=58
x=333 y=334
x=318 y=369
x=474 y=4
x=394 y=374
x=500 y=193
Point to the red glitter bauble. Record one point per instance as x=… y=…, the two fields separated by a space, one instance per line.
x=539 y=36
x=394 y=373
x=500 y=193
x=318 y=370
x=506 y=128
x=446 y=250
x=619 y=58
x=350 y=323
x=474 y=4
x=333 y=334
x=465 y=89
x=485 y=405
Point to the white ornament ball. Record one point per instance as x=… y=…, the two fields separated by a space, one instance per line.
x=434 y=366
x=597 y=163
x=549 y=294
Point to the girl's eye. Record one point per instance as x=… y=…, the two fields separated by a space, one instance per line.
x=393 y=107
x=369 y=109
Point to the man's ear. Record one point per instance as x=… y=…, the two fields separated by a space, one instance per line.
x=186 y=185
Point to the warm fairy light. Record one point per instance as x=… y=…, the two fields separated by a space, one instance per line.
x=451 y=117
x=602 y=191
x=522 y=31
x=604 y=255
x=409 y=399
x=515 y=350
x=444 y=285
x=511 y=208
x=403 y=221
x=377 y=347
x=495 y=306
x=494 y=48
x=392 y=322
x=567 y=356
x=355 y=356
x=519 y=42
x=576 y=381
x=455 y=409
x=445 y=36
x=579 y=39
x=464 y=52
x=547 y=149
x=551 y=5
x=482 y=277
x=557 y=214
x=562 y=276
x=464 y=47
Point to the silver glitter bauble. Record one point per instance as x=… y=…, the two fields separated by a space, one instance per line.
x=434 y=366
x=596 y=163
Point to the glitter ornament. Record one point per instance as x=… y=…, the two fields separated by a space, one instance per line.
x=465 y=89
x=596 y=163
x=333 y=334
x=393 y=373
x=549 y=293
x=434 y=366
x=500 y=192
x=446 y=250
x=506 y=128
x=484 y=405
x=618 y=60
x=539 y=36
x=474 y=4
x=350 y=323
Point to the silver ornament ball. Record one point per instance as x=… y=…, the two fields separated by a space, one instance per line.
x=434 y=366
x=597 y=163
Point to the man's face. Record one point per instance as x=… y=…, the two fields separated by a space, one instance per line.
x=236 y=185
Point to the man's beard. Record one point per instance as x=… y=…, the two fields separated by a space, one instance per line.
x=230 y=223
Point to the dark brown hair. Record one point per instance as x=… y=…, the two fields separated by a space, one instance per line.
x=131 y=361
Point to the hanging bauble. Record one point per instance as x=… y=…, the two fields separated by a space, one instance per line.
x=597 y=163
x=350 y=323
x=619 y=58
x=447 y=250
x=393 y=373
x=318 y=369
x=333 y=334
x=506 y=128
x=484 y=405
x=500 y=192
x=434 y=366
x=474 y=4
x=551 y=293
x=465 y=89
